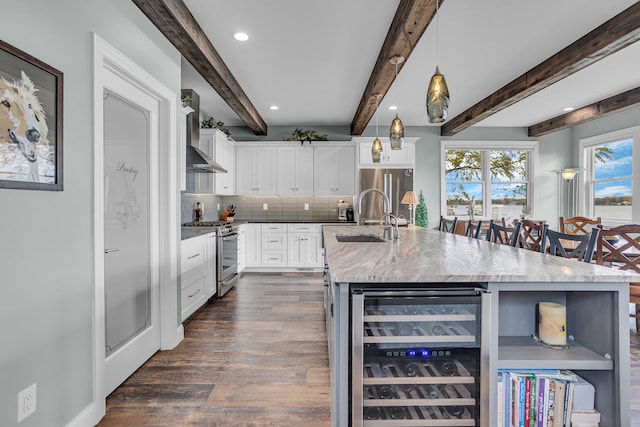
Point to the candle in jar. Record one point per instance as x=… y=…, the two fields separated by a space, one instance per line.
x=552 y=323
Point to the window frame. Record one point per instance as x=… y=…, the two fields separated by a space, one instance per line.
x=486 y=147
x=586 y=180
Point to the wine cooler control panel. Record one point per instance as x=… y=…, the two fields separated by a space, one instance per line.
x=416 y=358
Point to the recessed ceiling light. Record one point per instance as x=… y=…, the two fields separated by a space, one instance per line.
x=567 y=109
x=393 y=107
x=274 y=107
x=242 y=37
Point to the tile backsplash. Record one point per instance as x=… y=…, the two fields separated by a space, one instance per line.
x=252 y=208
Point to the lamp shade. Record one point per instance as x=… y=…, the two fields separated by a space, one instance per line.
x=376 y=150
x=437 y=98
x=409 y=198
x=396 y=134
x=568 y=174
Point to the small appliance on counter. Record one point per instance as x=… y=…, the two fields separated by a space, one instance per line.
x=199 y=212
x=350 y=216
x=342 y=210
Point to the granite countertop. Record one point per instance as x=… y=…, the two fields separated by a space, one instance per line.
x=189 y=232
x=425 y=255
x=298 y=221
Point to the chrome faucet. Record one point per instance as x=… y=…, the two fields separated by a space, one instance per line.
x=393 y=226
x=387 y=203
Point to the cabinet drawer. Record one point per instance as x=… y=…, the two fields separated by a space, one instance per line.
x=193 y=254
x=273 y=228
x=192 y=293
x=274 y=258
x=274 y=241
x=304 y=228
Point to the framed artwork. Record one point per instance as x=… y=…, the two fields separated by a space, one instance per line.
x=30 y=122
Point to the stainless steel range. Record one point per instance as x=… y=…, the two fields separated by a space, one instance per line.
x=226 y=252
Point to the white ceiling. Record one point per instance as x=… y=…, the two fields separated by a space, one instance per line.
x=313 y=58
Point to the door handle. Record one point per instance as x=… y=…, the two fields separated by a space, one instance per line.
x=108 y=251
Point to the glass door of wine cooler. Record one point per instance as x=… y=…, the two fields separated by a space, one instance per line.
x=416 y=357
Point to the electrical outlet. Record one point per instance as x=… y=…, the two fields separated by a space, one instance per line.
x=218 y=207
x=27 y=402
x=265 y=206
x=306 y=206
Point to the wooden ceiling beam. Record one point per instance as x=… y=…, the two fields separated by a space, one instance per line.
x=617 y=33
x=614 y=104
x=175 y=21
x=409 y=23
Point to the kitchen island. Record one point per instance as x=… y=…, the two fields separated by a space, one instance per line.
x=513 y=281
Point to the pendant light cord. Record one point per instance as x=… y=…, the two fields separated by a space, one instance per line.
x=396 y=82
x=437 y=35
x=377 y=100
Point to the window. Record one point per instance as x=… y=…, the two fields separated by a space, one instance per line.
x=610 y=186
x=490 y=178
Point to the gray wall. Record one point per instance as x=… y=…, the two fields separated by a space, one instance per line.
x=46 y=256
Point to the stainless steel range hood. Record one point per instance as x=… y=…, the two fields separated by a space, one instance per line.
x=196 y=159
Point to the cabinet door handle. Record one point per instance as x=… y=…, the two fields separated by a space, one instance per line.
x=193 y=256
x=108 y=251
x=194 y=294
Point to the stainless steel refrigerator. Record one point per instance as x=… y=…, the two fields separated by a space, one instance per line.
x=394 y=183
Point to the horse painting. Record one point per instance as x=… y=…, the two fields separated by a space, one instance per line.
x=22 y=125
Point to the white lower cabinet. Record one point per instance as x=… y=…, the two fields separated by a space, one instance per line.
x=283 y=247
x=241 y=247
x=252 y=245
x=197 y=272
x=304 y=245
x=274 y=245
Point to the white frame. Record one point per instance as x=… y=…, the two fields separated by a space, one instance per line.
x=532 y=168
x=586 y=199
x=108 y=62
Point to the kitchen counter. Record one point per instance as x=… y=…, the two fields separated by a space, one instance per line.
x=189 y=232
x=514 y=282
x=425 y=255
x=298 y=221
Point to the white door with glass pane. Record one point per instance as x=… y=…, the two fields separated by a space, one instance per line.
x=131 y=274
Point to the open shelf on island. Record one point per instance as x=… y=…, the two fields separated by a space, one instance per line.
x=517 y=352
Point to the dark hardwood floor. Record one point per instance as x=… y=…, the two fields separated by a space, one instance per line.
x=257 y=357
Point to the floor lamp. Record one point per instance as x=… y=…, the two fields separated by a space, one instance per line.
x=568 y=192
x=411 y=200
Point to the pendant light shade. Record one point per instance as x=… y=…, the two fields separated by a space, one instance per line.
x=396 y=132
x=437 y=98
x=437 y=92
x=376 y=148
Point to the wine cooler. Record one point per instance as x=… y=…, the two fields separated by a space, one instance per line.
x=417 y=356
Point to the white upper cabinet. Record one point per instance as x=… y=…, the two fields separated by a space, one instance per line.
x=294 y=171
x=225 y=156
x=404 y=158
x=334 y=171
x=256 y=171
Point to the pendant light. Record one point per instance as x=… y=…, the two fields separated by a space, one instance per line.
x=438 y=92
x=396 y=133
x=376 y=148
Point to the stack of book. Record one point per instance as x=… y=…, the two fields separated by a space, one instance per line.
x=536 y=398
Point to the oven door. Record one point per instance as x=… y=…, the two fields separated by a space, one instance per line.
x=228 y=257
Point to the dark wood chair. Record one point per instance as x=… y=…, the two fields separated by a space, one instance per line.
x=579 y=246
x=504 y=235
x=448 y=225
x=578 y=224
x=619 y=247
x=531 y=234
x=473 y=229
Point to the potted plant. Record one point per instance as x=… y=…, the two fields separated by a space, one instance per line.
x=306 y=135
x=211 y=123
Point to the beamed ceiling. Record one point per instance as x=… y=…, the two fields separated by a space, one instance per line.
x=506 y=63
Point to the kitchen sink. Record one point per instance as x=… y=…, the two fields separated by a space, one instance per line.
x=359 y=238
